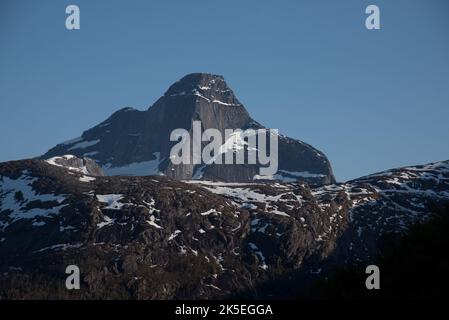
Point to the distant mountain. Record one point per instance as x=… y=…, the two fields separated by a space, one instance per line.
x=133 y=142
x=138 y=237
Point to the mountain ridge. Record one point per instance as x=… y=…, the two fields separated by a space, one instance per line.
x=131 y=137
x=136 y=237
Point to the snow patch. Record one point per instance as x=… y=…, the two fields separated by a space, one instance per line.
x=16 y=194
x=112 y=200
x=152 y=222
x=174 y=235
x=83 y=145
x=87 y=179
x=107 y=221
x=145 y=168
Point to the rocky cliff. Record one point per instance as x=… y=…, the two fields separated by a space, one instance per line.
x=133 y=142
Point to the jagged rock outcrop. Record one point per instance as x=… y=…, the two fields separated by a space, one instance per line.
x=74 y=164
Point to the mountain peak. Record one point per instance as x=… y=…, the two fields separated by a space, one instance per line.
x=133 y=142
x=200 y=78
x=211 y=87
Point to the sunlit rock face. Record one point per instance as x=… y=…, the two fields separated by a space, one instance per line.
x=133 y=142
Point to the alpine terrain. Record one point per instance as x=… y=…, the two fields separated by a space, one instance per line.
x=133 y=142
x=138 y=227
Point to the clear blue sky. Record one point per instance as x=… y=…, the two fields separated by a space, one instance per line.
x=371 y=100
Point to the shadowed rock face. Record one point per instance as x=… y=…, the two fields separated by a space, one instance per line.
x=138 y=237
x=133 y=142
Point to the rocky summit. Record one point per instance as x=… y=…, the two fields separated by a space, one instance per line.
x=133 y=142
x=137 y=237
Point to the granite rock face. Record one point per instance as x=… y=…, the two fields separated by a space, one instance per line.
x=133 y=142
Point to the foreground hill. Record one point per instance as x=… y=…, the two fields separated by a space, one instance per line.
x=138 y=237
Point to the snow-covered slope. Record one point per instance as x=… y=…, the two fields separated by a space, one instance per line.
x=367 y=208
